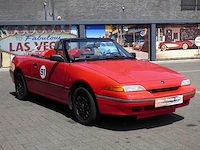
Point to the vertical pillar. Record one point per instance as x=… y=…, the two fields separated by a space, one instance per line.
x=0 y=56
x=153 y=42
x=45 y=11
x=0 y=59
x=52 y=7
x=82 y=31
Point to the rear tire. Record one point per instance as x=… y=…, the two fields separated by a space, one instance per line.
x=84 y=106
x=185 y=46
x=21 y=87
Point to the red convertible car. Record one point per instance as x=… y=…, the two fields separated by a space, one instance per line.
x=175 y=45
x=92 y=82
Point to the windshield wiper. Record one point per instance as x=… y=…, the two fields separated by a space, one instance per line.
x=87 y=58
x=114 y=57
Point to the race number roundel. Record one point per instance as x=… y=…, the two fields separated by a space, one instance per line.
x=43 y=71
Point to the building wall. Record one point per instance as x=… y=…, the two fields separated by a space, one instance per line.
x=33 y=10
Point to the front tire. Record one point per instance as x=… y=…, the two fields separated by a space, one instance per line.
x=21 y=87
x=163 y=47
x=84 y=106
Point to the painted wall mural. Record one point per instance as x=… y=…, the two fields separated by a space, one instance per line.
x=172 y=40
x=17 y=40
x=177 y=41
x=134 y=38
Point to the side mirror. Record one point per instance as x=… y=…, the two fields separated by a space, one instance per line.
x=57 y=57
x=134 y=55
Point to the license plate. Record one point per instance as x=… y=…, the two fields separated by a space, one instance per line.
x=168 y=101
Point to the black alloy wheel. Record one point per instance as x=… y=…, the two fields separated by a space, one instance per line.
x=21 y=87
x=84 y=106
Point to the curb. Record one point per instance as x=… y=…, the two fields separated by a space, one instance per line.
x=175 y=61
x=4 y=69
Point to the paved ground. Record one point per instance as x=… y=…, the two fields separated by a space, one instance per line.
x=40 y=124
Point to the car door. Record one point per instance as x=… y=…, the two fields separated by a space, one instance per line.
x=51 y=79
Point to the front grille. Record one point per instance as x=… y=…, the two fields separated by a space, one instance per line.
x=163 y=89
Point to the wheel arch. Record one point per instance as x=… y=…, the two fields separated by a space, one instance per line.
x=18 y=70
x=185 y=43
x=77 y=84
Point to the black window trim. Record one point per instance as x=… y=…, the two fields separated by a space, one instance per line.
x=188 y=7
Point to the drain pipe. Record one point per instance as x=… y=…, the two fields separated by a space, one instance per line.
x=52 y=7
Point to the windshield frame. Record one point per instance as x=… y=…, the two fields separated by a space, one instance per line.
x=122 y=53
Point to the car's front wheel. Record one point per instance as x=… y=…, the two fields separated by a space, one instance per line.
x=163 y=47
x=84 y=106
x=21 y=87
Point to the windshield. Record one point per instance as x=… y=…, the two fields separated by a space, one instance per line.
x=94 y=49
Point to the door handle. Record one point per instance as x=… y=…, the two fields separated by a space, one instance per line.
x=35 y=64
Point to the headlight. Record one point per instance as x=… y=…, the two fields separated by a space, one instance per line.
x=129 y=88
x=185 y=82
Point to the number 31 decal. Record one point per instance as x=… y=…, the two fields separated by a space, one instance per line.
x=43 y=71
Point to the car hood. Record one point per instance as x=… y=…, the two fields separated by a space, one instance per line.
x=129 y=71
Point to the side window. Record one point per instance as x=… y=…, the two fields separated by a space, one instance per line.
x=189 y=4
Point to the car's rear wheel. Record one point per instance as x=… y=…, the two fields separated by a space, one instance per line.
x=21 y=87
x=84 y=106
x=163 y=47
x=185 y=46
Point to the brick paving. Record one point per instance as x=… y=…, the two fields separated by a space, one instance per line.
x=41 y=124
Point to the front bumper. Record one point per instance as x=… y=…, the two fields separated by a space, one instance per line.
x=142 y=108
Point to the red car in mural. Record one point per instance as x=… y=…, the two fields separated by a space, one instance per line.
x=175 y=45
x=138 y=45
x=91 y=83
